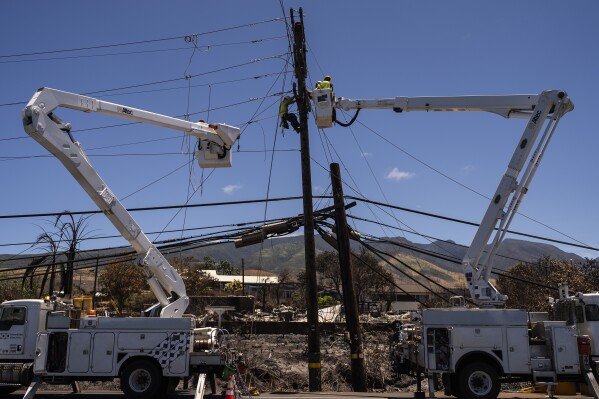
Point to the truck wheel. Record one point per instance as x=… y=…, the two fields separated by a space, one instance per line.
x=478 y=380
x=141 y=379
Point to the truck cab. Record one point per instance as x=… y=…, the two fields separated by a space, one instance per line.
x=583 y=311
x=20 y=321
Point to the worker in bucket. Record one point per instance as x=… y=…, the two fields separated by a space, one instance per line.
x=286 y=116
x=324 y=84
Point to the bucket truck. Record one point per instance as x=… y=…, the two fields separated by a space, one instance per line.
x=44 y=341
x=473 y=350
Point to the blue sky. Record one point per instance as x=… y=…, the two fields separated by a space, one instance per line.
x=372 y=49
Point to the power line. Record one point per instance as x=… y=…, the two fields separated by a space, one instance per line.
x=103 y=237
x=139 y=41
x=166 y=89
x=253 y=61
x=506 y=275
x=169 y=243
x=470 y=223
x=206 y=46
x=293 y=198
x=461 y=184
x=32 y=215
x=131 y=124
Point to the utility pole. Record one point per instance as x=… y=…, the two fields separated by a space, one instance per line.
x=95 y=280
x=350 y=303
x=243 y=276
x=303 y=106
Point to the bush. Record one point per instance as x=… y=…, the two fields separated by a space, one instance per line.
x=326 y=301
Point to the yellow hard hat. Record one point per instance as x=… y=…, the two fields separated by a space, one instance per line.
x=328 y=78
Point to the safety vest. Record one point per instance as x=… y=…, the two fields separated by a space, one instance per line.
x=323 y=84
x=284 y=107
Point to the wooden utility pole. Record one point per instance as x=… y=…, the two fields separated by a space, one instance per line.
x=243 y=276
x=350 y=302
x=303 y=106
x=95 y=281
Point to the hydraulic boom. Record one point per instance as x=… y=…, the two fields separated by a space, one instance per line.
x=46 y=128
x=542 y=110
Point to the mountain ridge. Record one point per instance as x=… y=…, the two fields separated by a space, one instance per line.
x=278 y=254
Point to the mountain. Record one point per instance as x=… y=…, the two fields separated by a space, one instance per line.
x=510 y=253
x=277 y=254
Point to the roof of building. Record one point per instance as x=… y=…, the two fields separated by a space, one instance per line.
x=258 y=272
x=247 y=279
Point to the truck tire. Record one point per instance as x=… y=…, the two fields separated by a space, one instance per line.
x=478 y=380
x=141 y=379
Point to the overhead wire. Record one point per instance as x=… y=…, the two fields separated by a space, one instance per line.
x=496 y=271
x=283 y=74
x=380 y=256
x=140 y=41
x=203 y=48
x=427 y=237
x=241 y=227
x=374 y=177
x=427 y=165
x=391 y=281
x=188 y=242
x=459 y=183
x=11 y=158
x=211 y=237
x=103 y=237
x=390 y=214
x=278 y=199
x=273 y=150
x=249 y=78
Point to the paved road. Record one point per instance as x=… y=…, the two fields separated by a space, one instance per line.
x=283 y=395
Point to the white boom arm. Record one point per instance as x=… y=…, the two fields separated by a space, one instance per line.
x=544 y=109
x=42 y=125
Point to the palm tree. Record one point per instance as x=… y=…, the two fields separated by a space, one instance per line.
x=71 y=232
x=54 y=247
x=52 y=243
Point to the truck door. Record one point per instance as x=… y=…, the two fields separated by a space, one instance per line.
x=565 y=354
x=79 y=352
x=103 y=353
x=41 y=353
x=178 y=356
x=12 y=330
x=518 y=351
x=438 y=349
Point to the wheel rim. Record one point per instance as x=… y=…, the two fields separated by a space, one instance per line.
x=480 y=383
x=140 y=380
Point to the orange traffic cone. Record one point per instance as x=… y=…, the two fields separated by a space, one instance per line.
x=230 y=393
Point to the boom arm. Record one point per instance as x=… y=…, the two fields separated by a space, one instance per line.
x=42 y=125
x=544 y=109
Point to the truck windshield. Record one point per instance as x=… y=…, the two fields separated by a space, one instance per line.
x=12 y=316
x=591 y=312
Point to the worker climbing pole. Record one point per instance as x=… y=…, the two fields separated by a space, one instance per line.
x=303 y=106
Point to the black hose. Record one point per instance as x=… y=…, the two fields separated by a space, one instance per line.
x=351 y=121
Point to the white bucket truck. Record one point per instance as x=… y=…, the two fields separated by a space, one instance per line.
x=45 y=341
